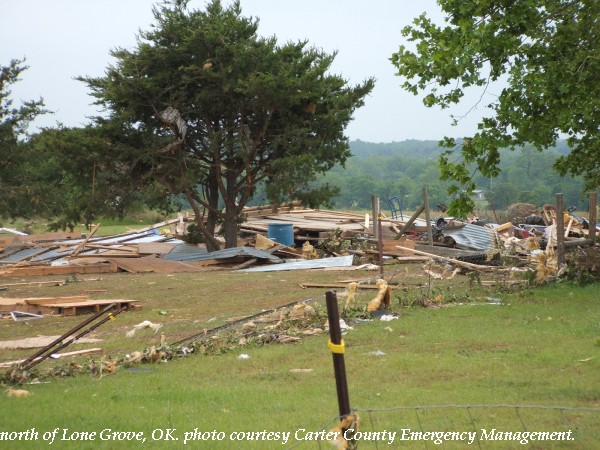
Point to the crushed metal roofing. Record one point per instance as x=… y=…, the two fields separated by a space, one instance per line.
x=188 y=253
x=10 y=230
x=473 y=237
x=56 y=250
x=301 y=264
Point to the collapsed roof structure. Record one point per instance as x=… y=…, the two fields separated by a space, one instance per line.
x=161 y=247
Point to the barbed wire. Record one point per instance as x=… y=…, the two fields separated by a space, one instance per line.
x=468 y=408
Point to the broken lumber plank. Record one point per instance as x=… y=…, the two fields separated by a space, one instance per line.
x=58 y=270
x=61 y=299
x=502 y=282
x=85 y=307
x=35 y=283
x=124 y=247
x=81 y=246
x=461 y=263
x=568 y=229
x=345 y=285
x=109 y=254
x=408 y=224
x=152 y=227
x=411 y=259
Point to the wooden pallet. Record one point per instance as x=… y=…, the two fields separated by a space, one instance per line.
x=66 y=306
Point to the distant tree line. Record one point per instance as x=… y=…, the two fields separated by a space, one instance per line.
x=402 y=169
x=205 y=113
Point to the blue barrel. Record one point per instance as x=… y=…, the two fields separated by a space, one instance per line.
x=282 y=233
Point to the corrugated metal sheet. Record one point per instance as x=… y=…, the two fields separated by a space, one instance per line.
x=153 y=264
x=202 y=255
x=129 y=238
x=474 y=237
x=52 y=254
x=338 y=261
x=58 y=249
x=10 y=230
x=24 y=254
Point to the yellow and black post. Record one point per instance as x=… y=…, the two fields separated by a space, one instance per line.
x=337 y=347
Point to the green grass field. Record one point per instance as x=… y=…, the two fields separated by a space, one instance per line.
x=538 y=347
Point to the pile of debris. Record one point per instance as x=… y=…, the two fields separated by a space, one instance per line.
x=161 y=247
x=282 y=325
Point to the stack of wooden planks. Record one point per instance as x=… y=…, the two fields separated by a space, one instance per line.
x=67 y=306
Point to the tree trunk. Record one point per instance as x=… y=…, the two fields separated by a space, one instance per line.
x=206 y=227
x=230 y=227
x=212 y=194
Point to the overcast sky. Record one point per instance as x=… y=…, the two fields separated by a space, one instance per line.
x=62 y=39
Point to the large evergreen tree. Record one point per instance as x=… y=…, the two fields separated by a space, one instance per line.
x=215 y=110
x=548 y=55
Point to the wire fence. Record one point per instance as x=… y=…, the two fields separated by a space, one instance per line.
x=467 y=426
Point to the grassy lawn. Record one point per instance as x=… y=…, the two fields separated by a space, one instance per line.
x=536 y=347
x=108 y=226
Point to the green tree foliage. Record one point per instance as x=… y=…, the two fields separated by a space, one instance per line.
x=86 y=179
x=546 y=53
x=19 y=194
x=210 y=110
x=502 y=195
x=401 y=169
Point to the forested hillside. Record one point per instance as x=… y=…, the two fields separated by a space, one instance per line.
x=403 y=168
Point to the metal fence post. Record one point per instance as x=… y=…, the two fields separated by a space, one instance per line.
x=337 y=347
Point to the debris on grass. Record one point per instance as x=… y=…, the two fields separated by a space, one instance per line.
x=349 y=422
x=301 y=311
x=350 y=300
x=382 y=299
x=143 y=325
x=388 y=317
x=10 y=392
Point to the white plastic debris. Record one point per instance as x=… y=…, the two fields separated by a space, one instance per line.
x=343 y=326
x=388 y=317
x=244 y=356
x=143 y=325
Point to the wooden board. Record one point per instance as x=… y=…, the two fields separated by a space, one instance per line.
x=8 y=301
x=90 y=306
x=41 y=237
x=68 y=306
x=156 y=248
x=390 y=247
x=345 y=286
x=35 y=283
x=45 y=300
x=153 y=264
x=58 y=270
